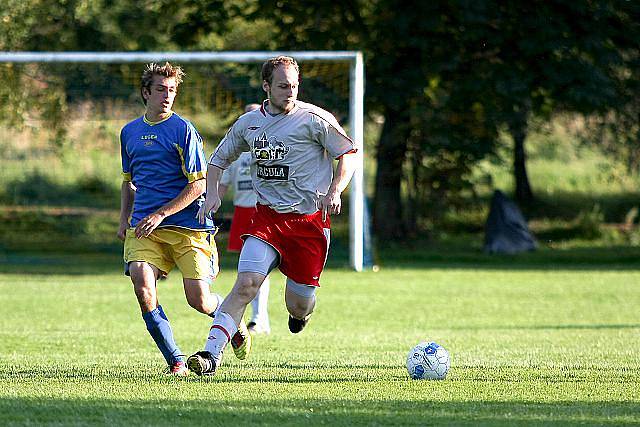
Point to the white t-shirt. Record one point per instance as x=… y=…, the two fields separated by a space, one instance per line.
x=291 y=154
x=238 y=178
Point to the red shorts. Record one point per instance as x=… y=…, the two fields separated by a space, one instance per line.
x=239 y=224
x=301 y=240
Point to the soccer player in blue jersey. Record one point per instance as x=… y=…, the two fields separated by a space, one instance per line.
x=163 y=160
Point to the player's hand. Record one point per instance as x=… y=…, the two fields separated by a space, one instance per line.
x=122 y=231
x=209 y=207
x=148 y=224
x=330 y=204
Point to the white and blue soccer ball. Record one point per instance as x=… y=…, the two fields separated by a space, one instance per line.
x=428 y=361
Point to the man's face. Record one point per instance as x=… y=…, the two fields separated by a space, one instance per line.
x=161 y=94
x=283 y=90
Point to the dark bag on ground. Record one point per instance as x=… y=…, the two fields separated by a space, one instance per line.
x=506 y=230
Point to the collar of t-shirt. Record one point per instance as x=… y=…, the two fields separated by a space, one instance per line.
x=276 y=114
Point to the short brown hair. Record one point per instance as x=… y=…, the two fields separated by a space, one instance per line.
x=153 y=69
x=271 y=64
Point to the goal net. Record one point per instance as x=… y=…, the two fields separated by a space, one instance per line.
x=61 y=114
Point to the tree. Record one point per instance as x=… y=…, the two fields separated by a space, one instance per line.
x=76 y=25
x=407 y=48
x=446 y=76
x=547 y=56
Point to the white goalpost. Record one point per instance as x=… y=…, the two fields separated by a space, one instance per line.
x=354 y=59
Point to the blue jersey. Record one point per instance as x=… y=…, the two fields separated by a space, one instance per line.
x=160 y=159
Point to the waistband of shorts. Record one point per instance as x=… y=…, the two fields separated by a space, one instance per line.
x=289 y=215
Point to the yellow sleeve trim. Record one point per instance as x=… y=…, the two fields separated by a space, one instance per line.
x=126 y=176
x=190 y=176
x=181 y=155
x=196 y=176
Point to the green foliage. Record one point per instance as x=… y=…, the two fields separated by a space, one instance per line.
x=589 y=222
x=83 y=170
x=446 y=76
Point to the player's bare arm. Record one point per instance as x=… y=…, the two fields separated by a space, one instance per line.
x=222 y=190
x=332 y=203
x=126 y=205
x=212 y=201
x=191 y=192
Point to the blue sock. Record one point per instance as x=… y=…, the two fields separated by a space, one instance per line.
x=160 y=330
x=161 y=311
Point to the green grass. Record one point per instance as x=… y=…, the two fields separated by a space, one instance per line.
x=531 y=342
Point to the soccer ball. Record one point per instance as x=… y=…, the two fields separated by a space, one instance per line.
x=428 y=361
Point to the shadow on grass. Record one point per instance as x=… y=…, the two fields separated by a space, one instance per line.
x=38 y=189
x=327 y=373
x=454 y=256
x=565 y=205
x=550 y=327
x=172 y=410
x=74 y=264
x=65 y=264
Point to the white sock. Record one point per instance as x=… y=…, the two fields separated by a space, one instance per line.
x=259 y=305
x=218 y=298
x=224 y=327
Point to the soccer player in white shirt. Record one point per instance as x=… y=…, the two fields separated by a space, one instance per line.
x=292 y=145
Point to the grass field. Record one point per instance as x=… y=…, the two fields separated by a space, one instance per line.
x=531 y=342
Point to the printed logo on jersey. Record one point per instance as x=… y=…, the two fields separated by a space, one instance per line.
x=148 y=139
x=245 y=185
x=273 y=172
x=269 y=148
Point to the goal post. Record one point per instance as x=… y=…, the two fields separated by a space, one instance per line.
x=354 y=59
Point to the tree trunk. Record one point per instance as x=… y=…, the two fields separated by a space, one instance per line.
x=518 y=130
x=634 y=151
x=390 y=156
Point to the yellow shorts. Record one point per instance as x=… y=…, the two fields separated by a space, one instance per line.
x=194 y=252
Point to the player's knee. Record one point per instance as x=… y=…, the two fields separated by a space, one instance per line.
x=300 y=307
x=145 y=296
x=299 y=311
x=247 y=288
x=300 y=298
x=199 y=297
x=198 y=303
x=247 y=292
x=142 y=291
x=142 y=286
